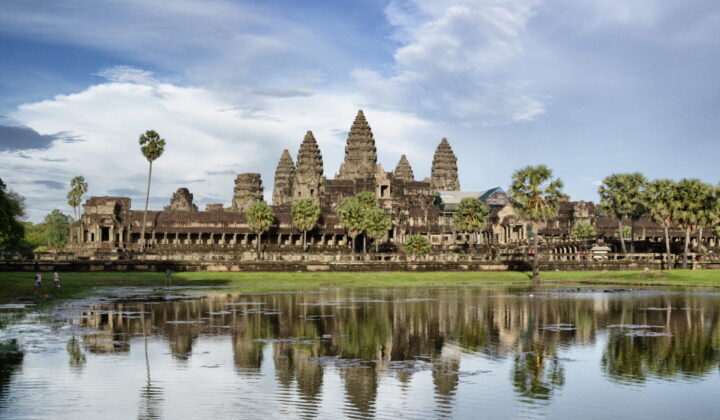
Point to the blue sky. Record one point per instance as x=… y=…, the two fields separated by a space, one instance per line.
x=589 y=88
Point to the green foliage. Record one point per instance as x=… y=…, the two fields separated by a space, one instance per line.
x=470 y=215
x=12 y=209
x=417 y=244
x=305 y=214
x=694 y=199
x=583 y=230
x=625 y=230
x=377 y=223
x=661 y=201
x=151 y=145
x=621 y=195
x=351 y=216
x=78 y=187
x=259 y=217
x=51 y=233
x=535 y=194
x=367 y=200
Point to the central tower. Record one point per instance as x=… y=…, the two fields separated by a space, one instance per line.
x=360 y=151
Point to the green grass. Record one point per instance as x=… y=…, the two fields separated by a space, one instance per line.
x=15 y=285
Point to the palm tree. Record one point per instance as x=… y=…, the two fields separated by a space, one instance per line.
x=692 y=198
x=305 y=215
x=661 y=202
x=259 y=218
x=351 y=217
x=78 y=187
x=377 y=224
x=367 y=202
x=470 y=216
x=152 y=147
x=535 y=197
x=621 y=196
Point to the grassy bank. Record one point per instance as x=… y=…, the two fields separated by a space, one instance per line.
x=14 y=285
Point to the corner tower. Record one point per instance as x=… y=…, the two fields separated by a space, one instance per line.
x=403 y=170
x=309 y=170
x=284 y=178
x=444 y=173
x=360 y=151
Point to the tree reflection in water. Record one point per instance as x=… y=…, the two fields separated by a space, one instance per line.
x=379 y=327
x=77 y=358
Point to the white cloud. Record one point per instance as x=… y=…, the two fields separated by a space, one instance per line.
x=209 y=138
x=456 y=60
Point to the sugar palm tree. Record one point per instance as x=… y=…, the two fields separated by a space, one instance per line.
x=305 y=215
x=535 y=198
x=621 y=196
x=377 y=224
x=661 y=202
x=78 y=187
x=152 y=147
x=351 y=217
x=470 y=216
x=692 y=198
x=259 y=217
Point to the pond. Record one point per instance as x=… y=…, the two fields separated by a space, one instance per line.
x=411 y=352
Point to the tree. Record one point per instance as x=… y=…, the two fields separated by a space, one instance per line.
x=351 y=217
x=56 y=228
x=470 y=216
x=692 y=198
x=621 y=196
x=623 y=232
x=709 y=214
x=78 y=187
x=259 y=217
x=12 y=209
x=417 y=244
x=377 y=224
x=152 y=147
x=583 y=230
x=305 y=215
x=661 y=202
x=535 y=198
x=367 y=202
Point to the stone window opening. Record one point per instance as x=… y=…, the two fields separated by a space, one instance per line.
x=105 y=234
x=384 y=191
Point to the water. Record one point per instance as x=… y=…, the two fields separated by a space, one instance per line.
x=431 y=352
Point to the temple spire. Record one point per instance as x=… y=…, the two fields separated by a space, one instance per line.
x=403 y=170
x=309 y=168
x=284 y=178
x=360 y=151
x=444 y=173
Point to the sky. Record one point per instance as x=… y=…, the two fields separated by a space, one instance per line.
x=588 y=88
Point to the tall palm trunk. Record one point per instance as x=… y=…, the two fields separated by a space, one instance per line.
x=257 y=247
x=536 y=261
x=304 y=241
x=685 y=252
x=377 y=245
x=147 y=199
x=352 y=243
x=632 y=236
x=700 y=238
x=667 y=248
x=364 y=243
x=622 y=237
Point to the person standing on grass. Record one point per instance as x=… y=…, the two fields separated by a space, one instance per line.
x=38 y=282
x=168 y=273
x=56 y=279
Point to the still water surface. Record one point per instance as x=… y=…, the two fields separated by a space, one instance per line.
x=431 y=352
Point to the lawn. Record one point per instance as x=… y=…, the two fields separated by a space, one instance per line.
x=15 y=285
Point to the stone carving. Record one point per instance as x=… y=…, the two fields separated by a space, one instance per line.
x=360 y=151
x=248 y=190
x=284 y=178
x=181 y=200
x=444 y=172
x=403 y=170
x=309 y=170
x=214 y=207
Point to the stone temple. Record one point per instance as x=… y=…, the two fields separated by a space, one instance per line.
x=110 y=229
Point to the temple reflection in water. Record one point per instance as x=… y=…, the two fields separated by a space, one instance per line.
x=363 y=336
